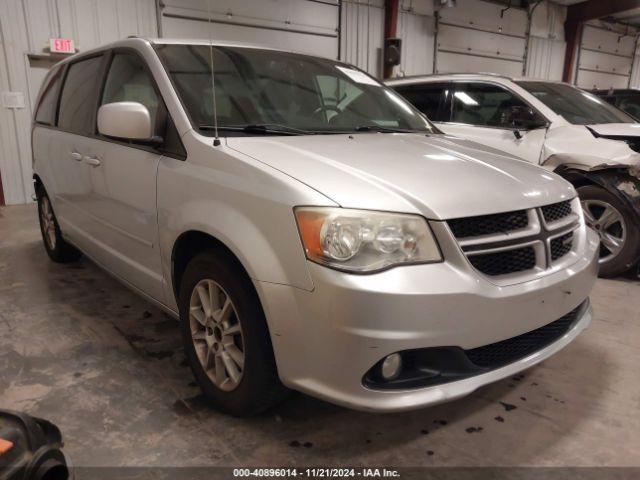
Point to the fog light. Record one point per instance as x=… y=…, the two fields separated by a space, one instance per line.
x=391 y=366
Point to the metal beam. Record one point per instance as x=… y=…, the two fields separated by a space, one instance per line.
x=391 y=8
x=580 y=13
x=572 y=34
x=593 y=9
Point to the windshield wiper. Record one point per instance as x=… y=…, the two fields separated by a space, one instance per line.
x=381 y=129
x=261 y=128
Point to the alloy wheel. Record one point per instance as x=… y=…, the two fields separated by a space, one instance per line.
x=48 y=222
x=217 y=334
x=609 y=223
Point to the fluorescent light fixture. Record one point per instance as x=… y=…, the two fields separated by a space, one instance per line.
x=466 y=99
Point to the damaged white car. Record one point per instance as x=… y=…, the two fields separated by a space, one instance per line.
x=571 y=132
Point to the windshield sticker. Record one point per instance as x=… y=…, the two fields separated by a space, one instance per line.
x=358 y=77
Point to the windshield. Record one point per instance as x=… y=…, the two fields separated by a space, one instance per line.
x=576 y=106
x=259 y=92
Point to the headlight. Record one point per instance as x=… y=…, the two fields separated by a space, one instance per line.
x=634 y=171
x=365 y=241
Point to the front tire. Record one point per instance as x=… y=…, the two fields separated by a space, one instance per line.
x=617 y=227
x=57 y=248
x=225 y=336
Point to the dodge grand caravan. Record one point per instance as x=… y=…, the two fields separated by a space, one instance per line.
x=569 y=131
x=308 y=226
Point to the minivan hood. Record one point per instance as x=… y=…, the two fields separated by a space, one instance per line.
x=437 y=175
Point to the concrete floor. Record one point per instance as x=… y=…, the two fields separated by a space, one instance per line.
x=81 y=350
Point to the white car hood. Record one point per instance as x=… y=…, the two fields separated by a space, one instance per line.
x=585 y=146
x=617 y=129
x=439 y=176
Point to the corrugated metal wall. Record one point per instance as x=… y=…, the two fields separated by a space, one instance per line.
x=362 y=32
x=25 y=29
x=546 y=49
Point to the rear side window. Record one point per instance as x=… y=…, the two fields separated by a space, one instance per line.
x=430 y=99
x=46 y=111
x=78 y=99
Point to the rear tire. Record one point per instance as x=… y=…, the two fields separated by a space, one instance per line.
x=225 y=335
x=57 y=248
x=617 y=227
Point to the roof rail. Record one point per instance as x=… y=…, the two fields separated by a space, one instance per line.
x=440 y=74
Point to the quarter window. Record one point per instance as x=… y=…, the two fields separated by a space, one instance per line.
x=46 y=111
x=78 y=100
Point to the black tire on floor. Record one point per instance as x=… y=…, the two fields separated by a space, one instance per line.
x=628 y=256
x=57 y=248
x=259 y=387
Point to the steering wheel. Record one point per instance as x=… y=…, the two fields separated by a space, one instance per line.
x=327 y=108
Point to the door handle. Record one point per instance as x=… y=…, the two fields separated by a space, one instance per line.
x=93 y=161
x=76 y=156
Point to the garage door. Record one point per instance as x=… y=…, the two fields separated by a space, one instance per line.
x=276 y=23
x=605 y=58
x=479 y=36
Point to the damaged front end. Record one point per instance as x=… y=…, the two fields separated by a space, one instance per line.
x=618 y=181
x=607 y=155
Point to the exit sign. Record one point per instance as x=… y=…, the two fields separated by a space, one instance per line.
x=61 y=45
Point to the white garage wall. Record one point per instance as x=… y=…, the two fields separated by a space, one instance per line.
x=309 y=26
x=547 y=45
x=362 y=34
x=416 y=27
x=481 y=36
x=634 y=81
x=606 y=56
x=25 y=28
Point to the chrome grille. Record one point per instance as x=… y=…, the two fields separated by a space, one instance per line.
x=517 y=242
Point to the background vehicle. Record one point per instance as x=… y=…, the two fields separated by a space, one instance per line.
x=626 y=99
x=304 y=247
x=566 y=130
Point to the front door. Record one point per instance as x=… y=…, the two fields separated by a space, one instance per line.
x=122 y=174
x=483 y=112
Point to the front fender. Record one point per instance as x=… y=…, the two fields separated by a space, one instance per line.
x=245 y=205
x=616 y=181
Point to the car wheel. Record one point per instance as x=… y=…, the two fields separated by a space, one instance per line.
x=615 y=224
x=57 y=248
x=226 y=337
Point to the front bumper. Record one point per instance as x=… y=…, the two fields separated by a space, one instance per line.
x=326 y=340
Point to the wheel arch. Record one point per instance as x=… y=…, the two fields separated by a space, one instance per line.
x=616 y=181
x=189 y=244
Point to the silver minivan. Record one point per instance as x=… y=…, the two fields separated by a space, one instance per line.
x=309 y=227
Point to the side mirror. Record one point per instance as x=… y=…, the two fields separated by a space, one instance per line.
x=523 y=118
x=126 y=121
